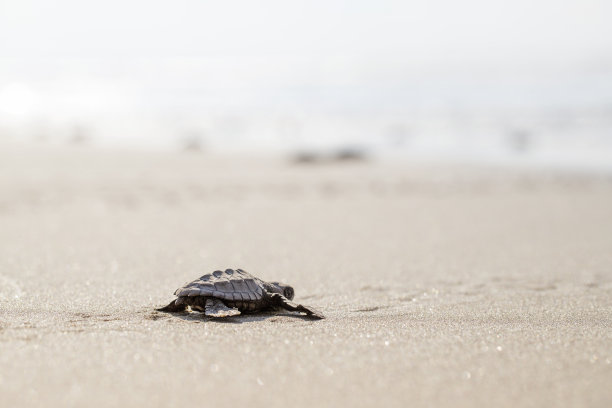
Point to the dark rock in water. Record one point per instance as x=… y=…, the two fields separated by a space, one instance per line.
x=193 y=142
x=80 y=136
x=519 y=140
x=307 y=157
x=342 y=154
x=350 y=154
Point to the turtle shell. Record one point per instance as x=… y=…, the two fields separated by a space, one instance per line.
x=228 y=285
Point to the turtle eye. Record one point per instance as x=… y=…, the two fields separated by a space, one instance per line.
x=288 y=292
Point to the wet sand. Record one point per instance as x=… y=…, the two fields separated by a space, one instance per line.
x=442 y=286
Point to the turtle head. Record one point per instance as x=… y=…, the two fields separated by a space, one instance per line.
x=277 y=287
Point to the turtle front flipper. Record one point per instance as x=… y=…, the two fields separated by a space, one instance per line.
x=281 y=301
x=173 y=307
x=216 y=308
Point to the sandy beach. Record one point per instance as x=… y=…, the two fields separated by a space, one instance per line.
x=443 y=286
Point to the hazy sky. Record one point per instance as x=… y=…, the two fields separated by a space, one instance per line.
x=152 y=50
x=431 y=30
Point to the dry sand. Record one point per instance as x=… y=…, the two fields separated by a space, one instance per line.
x=442 y=286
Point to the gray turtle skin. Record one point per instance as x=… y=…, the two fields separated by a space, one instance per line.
x=232 y=292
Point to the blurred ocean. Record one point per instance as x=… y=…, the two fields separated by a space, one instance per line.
x=562 y=122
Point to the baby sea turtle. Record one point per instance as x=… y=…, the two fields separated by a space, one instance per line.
x=231 y=292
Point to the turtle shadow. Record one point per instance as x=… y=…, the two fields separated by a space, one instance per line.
x=240 y=319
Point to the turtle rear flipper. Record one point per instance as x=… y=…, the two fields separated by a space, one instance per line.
x=216 y=308
x=173 y=307
x=281 y=301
